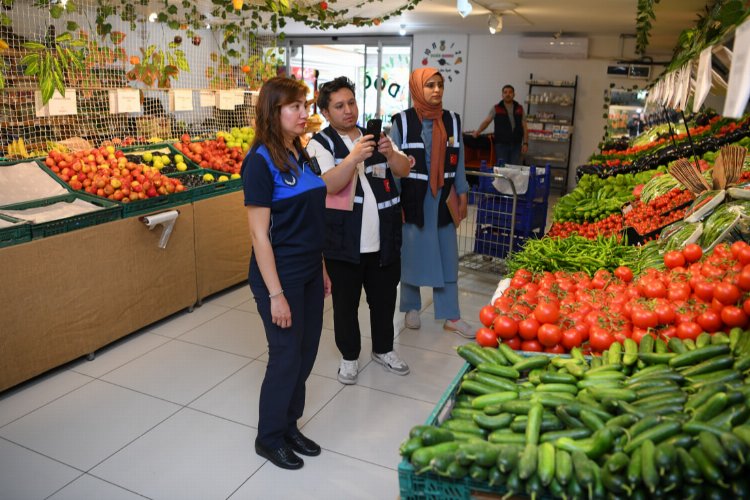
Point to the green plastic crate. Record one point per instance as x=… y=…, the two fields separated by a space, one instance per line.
x=208 y=190
x=18 y=233
x=110 y=211
x=191 y=165
x=430 y=486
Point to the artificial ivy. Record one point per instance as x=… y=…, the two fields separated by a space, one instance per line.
x=644 y=16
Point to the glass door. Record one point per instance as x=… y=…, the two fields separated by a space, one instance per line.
x=378 y=67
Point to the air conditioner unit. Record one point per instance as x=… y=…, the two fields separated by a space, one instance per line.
x=553 y=48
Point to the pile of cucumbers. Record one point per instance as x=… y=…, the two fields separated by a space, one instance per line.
x=646 y=421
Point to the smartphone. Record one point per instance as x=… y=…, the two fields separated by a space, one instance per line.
x=373 y=128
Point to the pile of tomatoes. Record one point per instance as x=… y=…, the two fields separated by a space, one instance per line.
x=606 y=227
x=555 y=312
x=649 y=217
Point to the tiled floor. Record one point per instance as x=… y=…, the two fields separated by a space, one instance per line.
x=170 y=412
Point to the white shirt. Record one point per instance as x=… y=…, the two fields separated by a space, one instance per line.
x=369 y=240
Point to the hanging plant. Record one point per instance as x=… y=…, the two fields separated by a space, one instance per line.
x=158 y=67
x=644 y=16
x=51 y=61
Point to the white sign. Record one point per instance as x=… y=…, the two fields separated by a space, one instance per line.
x=58 y=105
x=226 y=99
x=181 y=100
x=447 y=54
x=207 y=99
x=703 y=79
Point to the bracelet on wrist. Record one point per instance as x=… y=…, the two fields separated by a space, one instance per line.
x=272 y=295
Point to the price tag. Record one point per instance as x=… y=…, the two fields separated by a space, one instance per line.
x=61 y=105
x=239 y=97
x=207 y=99
x=225 y=99
x=181 y=100
x=128 y=100
x=703 y=79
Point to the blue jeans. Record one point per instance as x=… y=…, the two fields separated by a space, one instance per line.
x=508 y=153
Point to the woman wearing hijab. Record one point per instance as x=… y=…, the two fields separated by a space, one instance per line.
x=431 y=137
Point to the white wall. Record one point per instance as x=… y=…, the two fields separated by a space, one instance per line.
x=493 y=62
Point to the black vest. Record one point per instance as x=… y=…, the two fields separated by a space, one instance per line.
x=415 y=187
x=504 y=134
x=344 y=228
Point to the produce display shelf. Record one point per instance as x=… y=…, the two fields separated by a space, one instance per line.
x=191 y=165
x=208 y=189
x=133 y=208
x=20 y=232
x=109 y=211
x=430 y=486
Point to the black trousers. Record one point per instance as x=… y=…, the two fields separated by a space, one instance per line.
x=380 y=284
x=291 y=355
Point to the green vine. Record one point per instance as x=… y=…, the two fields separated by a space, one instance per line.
x=644 y=16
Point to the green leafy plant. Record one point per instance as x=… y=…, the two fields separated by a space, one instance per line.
x=645 y=14
x=158 y=67
x=50 y=62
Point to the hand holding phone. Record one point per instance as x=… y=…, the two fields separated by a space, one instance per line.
x=373 y=128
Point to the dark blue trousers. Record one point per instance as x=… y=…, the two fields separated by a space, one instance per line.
x=291 y=355
x=510 y=154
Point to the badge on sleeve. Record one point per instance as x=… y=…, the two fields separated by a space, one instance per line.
x=454 y=159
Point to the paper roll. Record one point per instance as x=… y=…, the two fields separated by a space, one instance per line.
x=166 y=220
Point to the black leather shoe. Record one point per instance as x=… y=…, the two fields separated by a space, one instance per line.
x=302 y=444
x=282 y=457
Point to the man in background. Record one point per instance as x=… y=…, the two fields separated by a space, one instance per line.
x=511 y=135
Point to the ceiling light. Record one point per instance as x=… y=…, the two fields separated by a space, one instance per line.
x=402 y=30
x=495 y=23
x=463 y=7
x=152 y=17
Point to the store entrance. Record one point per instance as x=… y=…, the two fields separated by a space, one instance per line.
x=379 y=67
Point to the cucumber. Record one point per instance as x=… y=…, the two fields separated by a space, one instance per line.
x=507 y=458
x=417 y=430
x=624 y=420
x=614 y=356
x=486 y=454
x=499 y=370
x=732 y=416
x=690 y=470
x=465 y=413
x=552 y=400
x=734 y=446
x=473 y=354
x=656 y=434
x=742 y=364
x=534 y=424
x=591 y=421
x=633 y=472
x=720 y=338
x=566 y=418
x=531 y=363
x=553 y=436
x=498 y=383
x=421 y=458
x=493 y=398
x=601 y=393
x=710 y=365
x=703 y=340
x=584 y=471
x=708 y=469
x=559 y=378
x=601 y=442
x=456 y=471
x=678 y=397
x=546 y=463
x=473 y=387
x=435 y=435
x=649 y=474
x=517 y=407
x=711 y=408
x=660 y=389
x=512 y=356
x=680 y=441
x=563 y=466
x=653 y=358
x=496 y=356
x=478 y=473
x=664 y=457
x=630 y=356
x=614 y=483
x=462 y=425
x=514 y=485
x=698 y=355
x=410 y=446
x=549 y=423
x=742 y=432
x=660 y=347
x=646 y=345
x=492 y=422
x=441 y=462
x=527 y=464
x=500 y=437
x=689 y=344
x=676 y=345
x=558 y=388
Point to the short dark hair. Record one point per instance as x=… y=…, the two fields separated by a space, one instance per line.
x=509 y=87
x=328 y=88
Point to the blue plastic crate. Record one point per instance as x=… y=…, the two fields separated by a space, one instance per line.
x=495 y=242
x=498 y=211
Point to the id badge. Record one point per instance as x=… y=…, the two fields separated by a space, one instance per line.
x=378 y=171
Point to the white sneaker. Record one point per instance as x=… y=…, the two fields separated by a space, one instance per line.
x=348 y=371
x=461 y=327
x=391 y=362
x=412 y=321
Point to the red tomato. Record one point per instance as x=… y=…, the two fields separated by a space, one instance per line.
x=644 y=318
x=600 y=339
x=505 y=327
x=571 y=338
x=666 y=314
x=709 y=320
x=689 y=330
x=523 y=273
x=746 y=306
x=743 y=280
x=486 y=337
x=528 y=328
x=744 y=256
x=674 y=258
x=736 y=248
x=624 y=273
x=727 y=293
x=678 y=291
x=549 y=334
x=654 y=289
x=734 y=316
x=669 y=332
x=558 y=349
x=692 y=252
x=518 y=282
x=514 y=343
x=547 y=313
x=531 y=345
x=638 y=334
x=487 y=315
x=705 y=290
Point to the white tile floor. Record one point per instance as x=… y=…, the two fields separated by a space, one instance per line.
x=170 y=412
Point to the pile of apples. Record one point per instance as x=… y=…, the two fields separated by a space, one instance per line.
x=106 y=172
x=215 y=154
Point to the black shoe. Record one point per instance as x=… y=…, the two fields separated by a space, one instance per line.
x=282 y=457
x=302 y=444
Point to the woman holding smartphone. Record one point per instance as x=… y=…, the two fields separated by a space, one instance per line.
x=285 y=202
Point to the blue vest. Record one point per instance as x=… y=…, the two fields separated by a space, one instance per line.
x=344 y=228
x=415 y=187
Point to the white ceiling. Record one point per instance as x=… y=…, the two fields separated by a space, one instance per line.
x=571 y=17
